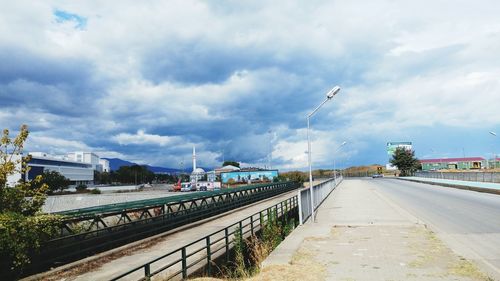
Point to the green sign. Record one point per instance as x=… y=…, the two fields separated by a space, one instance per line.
x=391 y=146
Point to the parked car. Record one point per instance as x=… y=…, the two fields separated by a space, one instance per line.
x=377 y=176
x=186 y=187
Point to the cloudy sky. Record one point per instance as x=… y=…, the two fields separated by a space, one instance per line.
x=146 y=80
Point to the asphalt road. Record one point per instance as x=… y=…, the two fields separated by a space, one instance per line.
x=467 y=221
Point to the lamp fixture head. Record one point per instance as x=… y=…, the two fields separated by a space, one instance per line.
x=332 y=92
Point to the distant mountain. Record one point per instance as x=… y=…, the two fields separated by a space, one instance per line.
x=116 y=163
x=162 y=169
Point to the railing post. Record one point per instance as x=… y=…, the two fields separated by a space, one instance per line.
x=184 y=263
x=299 y=203
x=147 y=271
x=209 y=257
x=251 y=224
x=226 y=236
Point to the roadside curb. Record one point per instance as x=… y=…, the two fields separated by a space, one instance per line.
x=464 y=187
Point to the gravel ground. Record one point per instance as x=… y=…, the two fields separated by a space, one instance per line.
x=60 y=203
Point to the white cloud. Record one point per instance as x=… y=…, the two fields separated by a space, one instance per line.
x=55 y=145
x=142 y=138
x=402 y=65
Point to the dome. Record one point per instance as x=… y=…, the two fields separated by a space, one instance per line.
x=199 y=171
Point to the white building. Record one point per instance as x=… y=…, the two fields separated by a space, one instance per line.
x=105 y=165
x=86 y=157
x=76 y=172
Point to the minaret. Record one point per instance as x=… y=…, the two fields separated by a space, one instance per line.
x=194 y=159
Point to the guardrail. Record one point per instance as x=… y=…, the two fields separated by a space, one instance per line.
x=463 y=176
x=154 y=217
x=200 y=254
x=320 y=193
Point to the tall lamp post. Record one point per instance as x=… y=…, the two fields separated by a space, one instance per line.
x=494 y=154
x=329 y=96
x=335 y=170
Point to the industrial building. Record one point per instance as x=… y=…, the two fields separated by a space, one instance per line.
x=85 y=157
x=467 y=163
x=76 y=172
x=104 y=165
x=78 y=167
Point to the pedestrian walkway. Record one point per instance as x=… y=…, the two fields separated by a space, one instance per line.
x=473 y=184
x=361 y=235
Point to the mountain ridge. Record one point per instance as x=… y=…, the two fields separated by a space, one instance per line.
x=116 y=163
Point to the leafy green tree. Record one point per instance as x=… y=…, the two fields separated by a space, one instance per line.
x=23 y=228
x=55 y=181
x=232 y=163
x=297 y=176
x=405 y=160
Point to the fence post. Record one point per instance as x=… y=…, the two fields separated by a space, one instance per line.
x=184 y=263
x=147 y=271
x=299 y=202
x=209 y=257
x=226 y=236
x=251 y=224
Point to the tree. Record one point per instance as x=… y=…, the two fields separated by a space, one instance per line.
x=232 y=163
x=55 y=181
x=296 y=176
x=23 y=228
x=405 y=160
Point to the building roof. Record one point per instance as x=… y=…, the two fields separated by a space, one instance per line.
x=443 y=160
x=199 y=171
x=229 y=167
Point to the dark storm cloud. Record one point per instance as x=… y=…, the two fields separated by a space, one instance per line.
x=62 y=86
x=199 y=62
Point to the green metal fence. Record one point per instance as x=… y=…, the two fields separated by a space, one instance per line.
x=200 y=254
x=152 y=218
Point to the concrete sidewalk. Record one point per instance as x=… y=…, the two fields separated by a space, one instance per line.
x=361 y=235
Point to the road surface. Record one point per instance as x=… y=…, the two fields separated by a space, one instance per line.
x=468 y=221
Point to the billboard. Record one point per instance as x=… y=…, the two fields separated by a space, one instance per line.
x=244 y=177
x=391 y=146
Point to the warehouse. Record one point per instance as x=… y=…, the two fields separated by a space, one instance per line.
x=466 y=163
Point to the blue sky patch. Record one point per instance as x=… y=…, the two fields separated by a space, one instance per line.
x=63 y=16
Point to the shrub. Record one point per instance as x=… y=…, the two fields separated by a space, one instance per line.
x=23 y=228
x=95 y=191
x=21 y=235
x=81 y=187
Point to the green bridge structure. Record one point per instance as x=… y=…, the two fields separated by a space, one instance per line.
x=88 y=231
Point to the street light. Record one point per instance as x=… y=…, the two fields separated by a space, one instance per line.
x=494 y=154
x=335 y=170
x=329 y=96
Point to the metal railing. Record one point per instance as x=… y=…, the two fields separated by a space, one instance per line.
x=154 y=217
x=320 y=193
x=200 y=255
x=463 y=176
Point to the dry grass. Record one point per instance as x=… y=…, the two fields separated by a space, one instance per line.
x=259 y=250
x=432 y=251
x=467 y=269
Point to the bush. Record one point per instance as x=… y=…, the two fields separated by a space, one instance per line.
x=21 y=235
x=23 y=228
x=81 y=187
x=95 y=191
